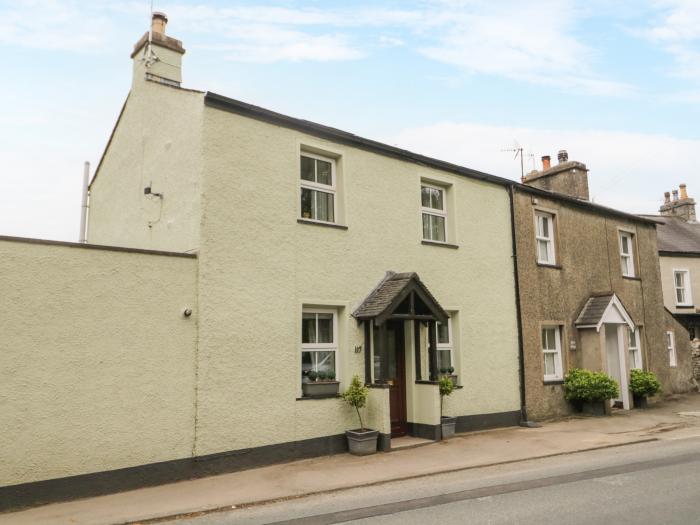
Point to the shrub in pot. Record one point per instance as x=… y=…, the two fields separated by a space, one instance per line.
x=643 y=384
x=447 y=423
x=361 y=441
x=589 y=391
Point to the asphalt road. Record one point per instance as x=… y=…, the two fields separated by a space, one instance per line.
x=650 y=483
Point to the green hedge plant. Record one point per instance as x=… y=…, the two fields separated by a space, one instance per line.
x=585 y=385
x=644 y=384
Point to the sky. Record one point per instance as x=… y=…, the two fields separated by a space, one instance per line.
x=617 y=84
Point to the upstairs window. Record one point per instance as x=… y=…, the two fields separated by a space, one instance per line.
x=319 y=343
x=551 y=350
x=627 y=254
x=318 y=188
x=544 y=234
x=635 y=353
x=681 y=283
x=445 y=347
x=434 y=211
x=671 y=347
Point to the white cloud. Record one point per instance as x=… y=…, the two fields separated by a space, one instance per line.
x=628 y=171
x=677 y=31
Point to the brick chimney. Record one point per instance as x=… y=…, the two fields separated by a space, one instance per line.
x=680 y=206
x=567 y=177
x=156 y=56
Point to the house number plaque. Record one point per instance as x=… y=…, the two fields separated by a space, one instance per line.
x=358 y=349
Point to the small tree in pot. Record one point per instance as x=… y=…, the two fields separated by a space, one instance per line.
x=447 y=423
x=361 y=441
x=589 y=390
x=643 y=384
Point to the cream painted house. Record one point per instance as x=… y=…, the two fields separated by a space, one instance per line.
x=314 y=253
x=679 y=257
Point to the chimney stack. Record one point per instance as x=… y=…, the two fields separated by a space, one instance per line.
x=157 y=57
x=682 y=207
x=158 y=23
x=567 y=177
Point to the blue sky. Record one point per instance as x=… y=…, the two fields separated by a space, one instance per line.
x=617 y=86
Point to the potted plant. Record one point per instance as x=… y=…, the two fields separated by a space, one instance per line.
x=589 y=391
x=447 y=423
x=361 y=441
x=320 y=384
x=643 y=384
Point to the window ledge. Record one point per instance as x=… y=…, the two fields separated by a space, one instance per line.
x=327 y=396
x=685 y=306
x=547 y=265
x=547 y=382
x=438 y=243
x=425 y=382
x=321 y=223
x=631 y=278
x=378 y=385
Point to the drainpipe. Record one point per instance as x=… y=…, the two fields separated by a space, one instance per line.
x=84 y=206
x=521 y=353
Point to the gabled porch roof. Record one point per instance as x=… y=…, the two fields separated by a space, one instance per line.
x=600 y=309
x=400 y=296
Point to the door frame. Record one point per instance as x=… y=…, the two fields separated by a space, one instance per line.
x=400 y=356
x=622 y=362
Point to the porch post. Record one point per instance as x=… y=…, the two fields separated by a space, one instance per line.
x=368 y=352
x=432 y=350
x=384 y=351
x=416 y=344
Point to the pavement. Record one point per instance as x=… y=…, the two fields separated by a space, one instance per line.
x=674 y=418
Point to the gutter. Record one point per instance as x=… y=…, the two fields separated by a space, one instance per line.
x=518 y=314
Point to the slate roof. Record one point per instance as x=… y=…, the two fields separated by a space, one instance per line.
x=677 y=236
x=388 y=290
x=593 y=310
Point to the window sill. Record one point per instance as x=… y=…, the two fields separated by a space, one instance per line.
x=327 y=396
x=438 y=243
x=685 y=306
x=547 y=265
x=631 y=278
x=378 y=385
x=321 y=223
x=548 y=382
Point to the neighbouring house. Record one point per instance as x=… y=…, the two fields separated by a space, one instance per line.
x=590 y=290
x=679 y=256
x=290 y=251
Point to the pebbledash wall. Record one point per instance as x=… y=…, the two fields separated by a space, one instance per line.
x=588 y=262
x=258 y=266
x=97 y=360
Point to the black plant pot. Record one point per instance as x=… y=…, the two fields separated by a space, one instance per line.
x=640 y=402
x=596 y=408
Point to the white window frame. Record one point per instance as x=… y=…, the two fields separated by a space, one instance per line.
x=316 y=187
x=323 y=347
x=551 y=250
x=627 y=256
x=636 y=351
x=449 y=346
x=434 y=211
x=687 y=292
x=671 y=347
x=558 y=369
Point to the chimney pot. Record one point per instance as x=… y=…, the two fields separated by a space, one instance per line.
x=546 y=162
x=563 y=156
x=684 y=192
x=675 y=195
x=158 y=22
x=667 y=197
